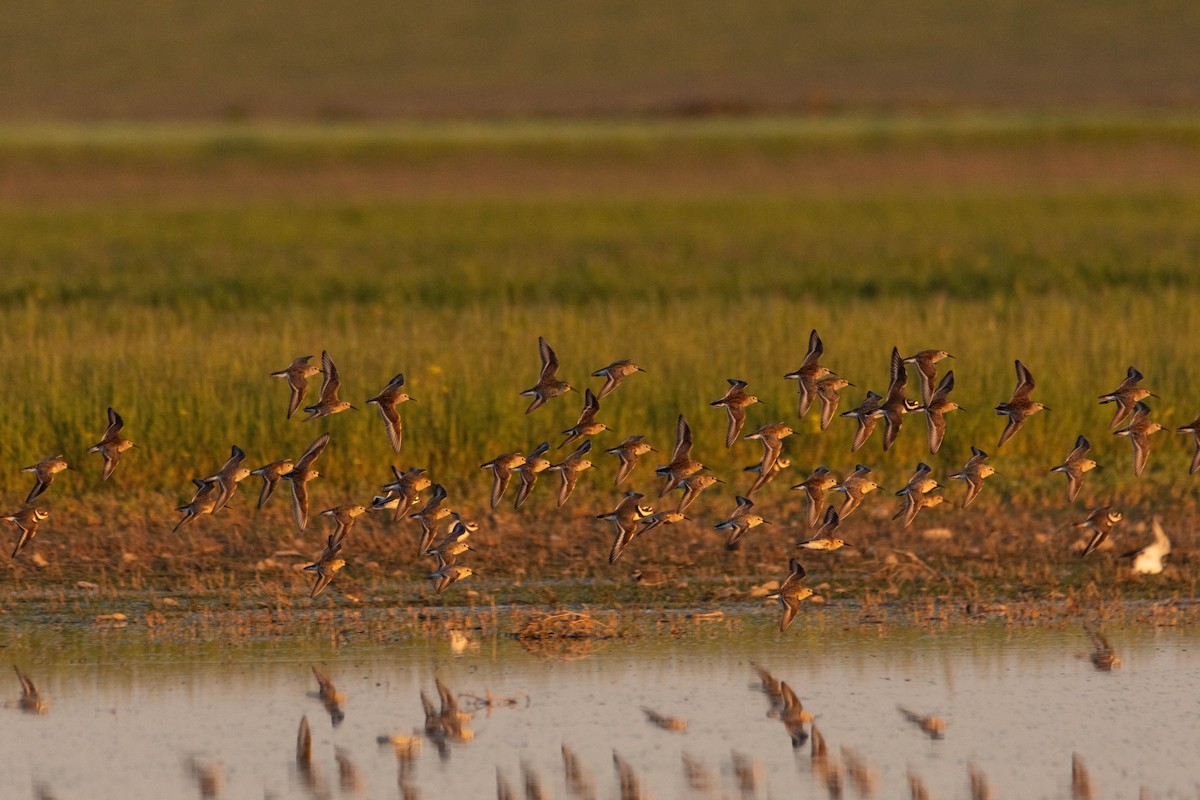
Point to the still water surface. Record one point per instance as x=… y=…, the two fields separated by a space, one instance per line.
x=1017 y=703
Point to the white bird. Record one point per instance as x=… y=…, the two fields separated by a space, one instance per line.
x=1149 y=559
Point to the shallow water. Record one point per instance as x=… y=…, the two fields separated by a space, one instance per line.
x=124 y=721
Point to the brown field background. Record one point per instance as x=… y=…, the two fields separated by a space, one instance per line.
x=148 y=60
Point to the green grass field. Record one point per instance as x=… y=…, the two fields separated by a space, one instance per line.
x=175 y=310
x=168 y=272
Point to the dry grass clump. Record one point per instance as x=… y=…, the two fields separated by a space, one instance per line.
x=564 y=635
x=542 y=626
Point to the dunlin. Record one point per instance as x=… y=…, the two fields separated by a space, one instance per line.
x=625 y=517
x=936 y=408
x=1076 y=466
x=735 y=401
x=771 y=437
x=739 y=522
x=661 y=518
x=614 y=375
x=297 y=374
x=535 y=463
x=229 y=476
x=569 y=470
x=791 y=593
x=586 y=425
x=43 y=473
x=857 y=486
x=328 y=402
x=865 y=414
x=692 y=486
x=973 y=474
x=430 y=516
x=299 y=477
x=895 y=405
x=682 y=465
x=111 y=444
x=828 y=392
x=344 y=517
x=27 y=521
x=1100 y=522
x=1020 y=407
x=326 y=566
x=407 y=489
x=548 y=384
x=387 y=401
x=629 y=451
x=809 y=373
x=502 y=467
x=918 y=494
x=766 y=476
x=825 y=539
x=1193 y=428
x=925 y=362
x=270 y=474
x=1139 y=430
x=1126 y=397
x=202 y=502
x=815 y=486
x=448 y=575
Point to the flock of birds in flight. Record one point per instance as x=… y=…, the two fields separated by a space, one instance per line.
x=632 y=518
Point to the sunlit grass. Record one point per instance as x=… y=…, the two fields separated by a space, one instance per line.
x=176 y=318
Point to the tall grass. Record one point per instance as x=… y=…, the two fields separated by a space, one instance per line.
x=176 y=317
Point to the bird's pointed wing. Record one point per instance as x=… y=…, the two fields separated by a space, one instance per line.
x=683 y=440
x=1025 y=383
x=1015 y=421
x=1141 y=451
x=110 y=463
x=528 y=479
x=310 y=455
x=937 y=429
x=569 y=478
x=829 y=405
x=591 y=406
x=816 y=349
x=898 y=377
x=500 y=479
x=268 y=488
x=549 y=362
x=298 y=384
x=974 y=487
x=329 y=388
x=392 y=425
x=737 y=419
x=300 y=503
x=628 y=462
x=115 y=423
x=892 y=420
x=866 y=426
